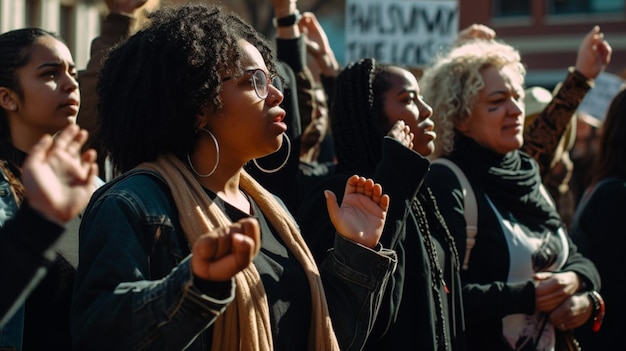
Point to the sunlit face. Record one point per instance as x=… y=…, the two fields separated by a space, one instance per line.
x=247 y=126
x=497 y=118
x=315 y=131
x=50 y=96
x=404 y=102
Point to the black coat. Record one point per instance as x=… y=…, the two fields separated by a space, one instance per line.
x=408 y=316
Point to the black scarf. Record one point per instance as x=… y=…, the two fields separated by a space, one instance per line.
x=511 y=181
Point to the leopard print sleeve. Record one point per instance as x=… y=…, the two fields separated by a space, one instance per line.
x=542 y=137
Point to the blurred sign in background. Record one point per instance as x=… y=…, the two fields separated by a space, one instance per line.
x=408 y=33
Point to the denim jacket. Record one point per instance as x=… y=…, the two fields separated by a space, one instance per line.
x=135 y=290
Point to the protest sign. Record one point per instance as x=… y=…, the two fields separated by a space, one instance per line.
x=399 y=32
x=597 y=101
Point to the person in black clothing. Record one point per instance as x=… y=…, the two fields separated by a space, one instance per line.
x=293 y=170
x=179 y=130
x=44 y=183
x=524 y=284
x=376 y=110
x=598 y=229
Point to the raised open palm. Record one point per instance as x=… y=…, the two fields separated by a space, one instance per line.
x=363 y=211
x=59 y=180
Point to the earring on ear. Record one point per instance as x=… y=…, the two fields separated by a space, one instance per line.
x=269 y=171
x=12 y=107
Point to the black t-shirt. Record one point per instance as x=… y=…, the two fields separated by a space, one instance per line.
x=284 y=281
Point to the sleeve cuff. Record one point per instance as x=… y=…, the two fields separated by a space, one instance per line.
x=363 y=259
x=579 y=78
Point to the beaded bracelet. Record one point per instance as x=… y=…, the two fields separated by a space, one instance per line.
x=598 y=309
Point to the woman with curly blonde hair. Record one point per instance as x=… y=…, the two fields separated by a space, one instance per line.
x=523 y=264
x=455 y=91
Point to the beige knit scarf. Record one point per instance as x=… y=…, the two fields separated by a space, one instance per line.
x=245 y=325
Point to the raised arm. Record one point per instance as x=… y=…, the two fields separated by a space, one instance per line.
x=318 y=46
x=58 y=182
x=362 y=214
x=542 y=137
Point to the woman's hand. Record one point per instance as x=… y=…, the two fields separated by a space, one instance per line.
x=363 y=211
x=594 y=54
x=318 y=45
x=59 y=180
x=475 y=31
x=224 y=252
x=573 y=312
x=402 y=133
x=553 y=288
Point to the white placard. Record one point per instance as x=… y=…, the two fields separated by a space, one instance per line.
x=596 y=102
x=400 y=32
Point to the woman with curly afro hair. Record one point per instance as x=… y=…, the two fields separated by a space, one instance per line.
x=184 y=249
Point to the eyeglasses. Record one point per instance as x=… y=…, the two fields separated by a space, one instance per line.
x=261 y=82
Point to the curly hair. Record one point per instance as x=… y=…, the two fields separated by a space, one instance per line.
x=358 y=122
x=452 y=83
x=611 y=158
x=154 y=83
x=15 y=52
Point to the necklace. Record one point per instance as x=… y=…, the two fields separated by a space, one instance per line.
x=427 y=222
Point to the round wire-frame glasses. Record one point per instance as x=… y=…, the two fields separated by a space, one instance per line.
x=261 y=82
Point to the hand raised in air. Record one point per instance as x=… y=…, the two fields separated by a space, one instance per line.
x=363 y=211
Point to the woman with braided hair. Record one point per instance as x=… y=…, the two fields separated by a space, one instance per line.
x=185 y=103
x=381 y=128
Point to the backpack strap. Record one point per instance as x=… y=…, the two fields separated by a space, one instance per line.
x=470 y=207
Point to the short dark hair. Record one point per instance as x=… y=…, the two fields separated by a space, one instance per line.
x=153 y=84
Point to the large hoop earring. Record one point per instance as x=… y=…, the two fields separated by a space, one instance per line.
x=217 y=158
x=286 y=138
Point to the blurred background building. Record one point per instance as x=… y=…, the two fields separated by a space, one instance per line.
x=547 y=32
x=75 y=20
